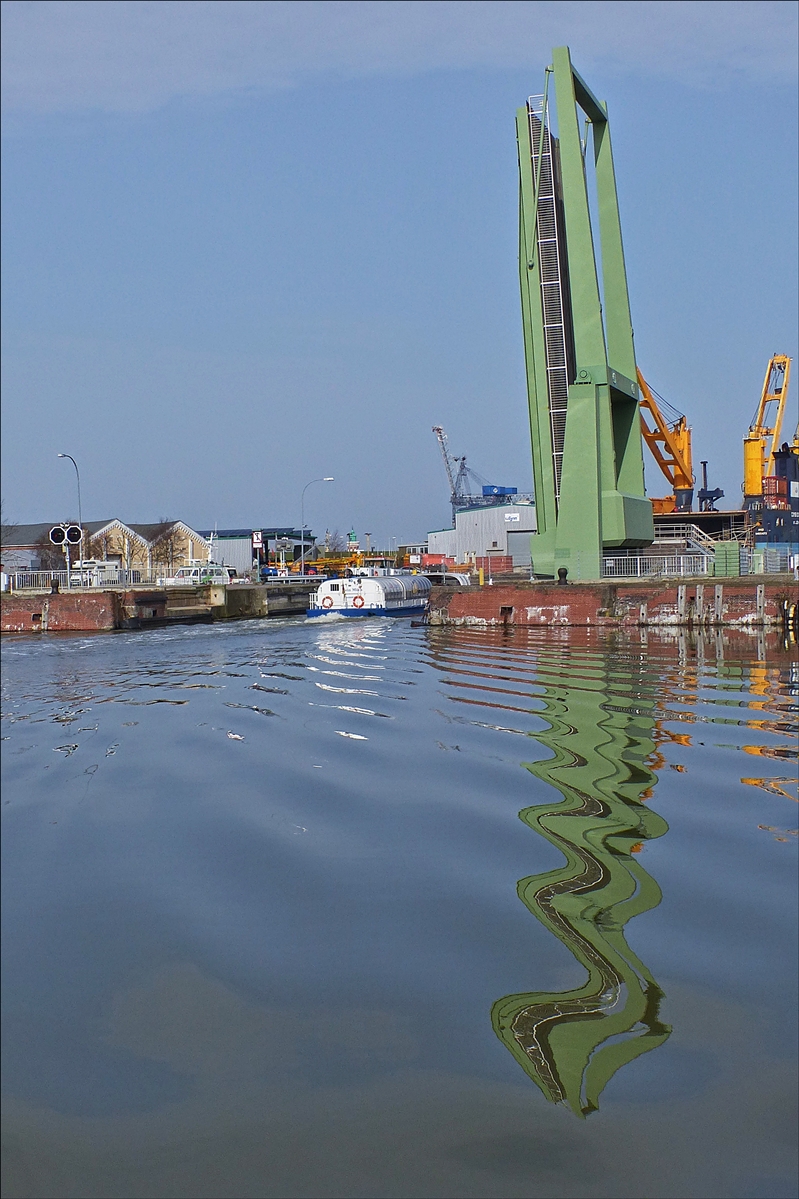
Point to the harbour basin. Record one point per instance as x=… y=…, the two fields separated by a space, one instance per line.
x=364 y=909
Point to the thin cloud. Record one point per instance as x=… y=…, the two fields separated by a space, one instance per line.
x=138 y=55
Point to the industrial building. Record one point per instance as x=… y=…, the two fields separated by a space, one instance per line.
x=165 y=545
x=500 y=532
x=234 y=547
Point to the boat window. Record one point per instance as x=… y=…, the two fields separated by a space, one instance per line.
x=335 y=587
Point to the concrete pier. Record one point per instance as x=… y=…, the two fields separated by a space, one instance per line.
x=93 y=610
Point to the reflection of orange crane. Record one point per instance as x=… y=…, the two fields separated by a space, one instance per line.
x=758 y=453
x=671 y=448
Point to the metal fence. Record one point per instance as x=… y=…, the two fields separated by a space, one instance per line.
x=656 y=566
x=36 y=580
x=42 y=580
x=773 y=559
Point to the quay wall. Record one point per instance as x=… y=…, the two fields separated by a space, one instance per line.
x=25 y=612
x=748 y=602
x=757 y=602
x=90 y=610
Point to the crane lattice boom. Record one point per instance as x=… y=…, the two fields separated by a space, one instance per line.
x=442 y=441
x=670 y=446
x=758 y=454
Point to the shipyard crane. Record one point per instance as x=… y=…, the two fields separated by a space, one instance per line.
x=767 y=424
x=670 y=445
x=459 y=476
x=671 y=448
x=448 y=466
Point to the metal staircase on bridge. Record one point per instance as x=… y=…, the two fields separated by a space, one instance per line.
x=679 y=549
x=682 y=538
x=550 y=240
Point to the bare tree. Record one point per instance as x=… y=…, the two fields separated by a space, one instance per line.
x=165 y=546
x=50 y=557
x=95 y=549
x=335 y=543
x=7 y=528
x=8 y=535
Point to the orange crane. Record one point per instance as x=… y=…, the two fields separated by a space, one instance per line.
x=671 y=448
x=758 y=453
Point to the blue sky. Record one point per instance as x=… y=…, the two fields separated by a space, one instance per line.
x=246 y=245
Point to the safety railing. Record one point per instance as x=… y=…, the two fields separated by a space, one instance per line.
x=36 y=580
x=689 y=533
x=773 y=559
x=43 y=580
x=272 y=579
x=656 y=566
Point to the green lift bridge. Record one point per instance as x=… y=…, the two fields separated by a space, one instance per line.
x=588 y=467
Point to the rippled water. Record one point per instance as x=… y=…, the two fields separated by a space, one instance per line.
x=372 y=910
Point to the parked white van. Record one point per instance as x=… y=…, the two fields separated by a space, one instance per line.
x=94 y=573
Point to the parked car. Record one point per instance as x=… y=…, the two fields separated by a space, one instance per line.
x=269 y=572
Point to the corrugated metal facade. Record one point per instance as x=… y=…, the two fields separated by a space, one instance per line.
x=519 y=548
x=481 y=531
x=235 y=552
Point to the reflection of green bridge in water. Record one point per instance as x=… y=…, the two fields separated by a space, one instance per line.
x=572 y=1043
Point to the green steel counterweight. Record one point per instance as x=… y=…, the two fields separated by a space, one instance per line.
x=588 y=467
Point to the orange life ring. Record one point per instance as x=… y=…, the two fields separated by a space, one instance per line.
x=327 y=602
x=358 y=601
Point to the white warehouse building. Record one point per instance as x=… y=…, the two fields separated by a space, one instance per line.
x=502 y=529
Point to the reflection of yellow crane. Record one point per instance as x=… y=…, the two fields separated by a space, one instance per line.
x=758 y=451
x=670 y=445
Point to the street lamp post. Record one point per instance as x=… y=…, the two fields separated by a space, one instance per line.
x=80 y=519
x=327 y=479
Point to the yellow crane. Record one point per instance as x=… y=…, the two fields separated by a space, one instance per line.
x=671 y=448
x=758 y=449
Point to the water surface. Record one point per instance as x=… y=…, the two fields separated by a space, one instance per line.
x=370 y=910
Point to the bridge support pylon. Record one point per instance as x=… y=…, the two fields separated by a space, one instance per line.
x=588 y=467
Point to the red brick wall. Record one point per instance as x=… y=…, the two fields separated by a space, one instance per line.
x=25 y=613
x=743 y=602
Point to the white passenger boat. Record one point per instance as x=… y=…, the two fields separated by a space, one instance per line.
x=386 y=595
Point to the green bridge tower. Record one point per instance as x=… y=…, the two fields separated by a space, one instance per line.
x=588 y=468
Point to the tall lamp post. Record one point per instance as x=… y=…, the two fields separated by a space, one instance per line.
x=80 y=513
x=327 y=479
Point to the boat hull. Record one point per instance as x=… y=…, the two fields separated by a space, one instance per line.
x=403 y=610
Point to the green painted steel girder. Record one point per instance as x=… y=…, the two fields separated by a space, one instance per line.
x=588 y=467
